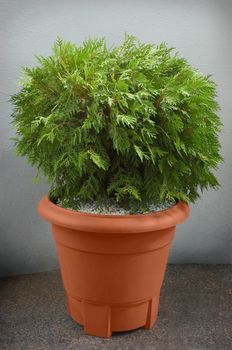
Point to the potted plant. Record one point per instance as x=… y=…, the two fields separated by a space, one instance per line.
x=127 y=137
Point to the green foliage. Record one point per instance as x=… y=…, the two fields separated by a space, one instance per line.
x=136 y=123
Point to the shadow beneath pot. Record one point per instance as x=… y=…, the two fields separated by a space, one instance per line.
x=124 y=333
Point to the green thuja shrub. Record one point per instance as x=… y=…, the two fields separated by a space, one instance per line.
x=135 y=123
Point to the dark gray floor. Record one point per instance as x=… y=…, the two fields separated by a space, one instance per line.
x=195 y=314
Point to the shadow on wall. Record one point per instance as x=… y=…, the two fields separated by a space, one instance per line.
x=204 y=238
x=20 y=259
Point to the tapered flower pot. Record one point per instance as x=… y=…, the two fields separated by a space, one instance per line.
x=112 y=266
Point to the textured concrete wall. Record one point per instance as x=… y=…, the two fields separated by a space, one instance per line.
x=200 y=30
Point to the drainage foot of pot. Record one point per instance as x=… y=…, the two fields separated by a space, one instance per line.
x=152 y=313
x=101 y=319
x=97 y=320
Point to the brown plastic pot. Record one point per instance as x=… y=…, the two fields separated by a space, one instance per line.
x=112 y=266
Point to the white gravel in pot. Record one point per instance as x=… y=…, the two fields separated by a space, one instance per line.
x=112 y=208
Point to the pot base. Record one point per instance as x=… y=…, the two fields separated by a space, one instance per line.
x=102 y=319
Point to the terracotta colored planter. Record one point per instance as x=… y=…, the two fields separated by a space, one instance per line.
x=112 y=266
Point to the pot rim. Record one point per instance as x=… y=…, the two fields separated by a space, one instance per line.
x=102 y=223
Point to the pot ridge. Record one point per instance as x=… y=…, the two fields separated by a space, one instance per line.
x=112 y=224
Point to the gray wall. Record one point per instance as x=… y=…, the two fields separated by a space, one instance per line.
x=200 y=30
